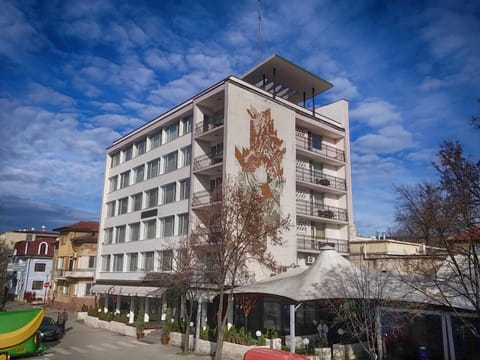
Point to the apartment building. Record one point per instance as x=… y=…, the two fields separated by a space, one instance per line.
x=263 y=128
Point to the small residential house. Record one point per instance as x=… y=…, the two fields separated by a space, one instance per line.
x=74 y=265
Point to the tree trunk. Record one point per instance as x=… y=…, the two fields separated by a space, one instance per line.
x=221 y=324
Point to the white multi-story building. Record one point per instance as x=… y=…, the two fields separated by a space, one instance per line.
x=263 y=128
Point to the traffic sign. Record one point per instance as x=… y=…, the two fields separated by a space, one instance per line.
x=46 y=284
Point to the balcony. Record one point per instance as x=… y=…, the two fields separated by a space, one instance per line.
x=208 y=124
x=309 y=243
x=329 y=213
x=335 y=185
x=205 y=198
x=208 y=164
x=330 y=154
x=80 y=273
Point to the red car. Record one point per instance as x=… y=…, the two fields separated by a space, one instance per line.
x=270 y=354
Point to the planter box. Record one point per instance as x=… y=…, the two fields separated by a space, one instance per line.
x=82 y=315
x=177 y=339
x=274 y=343
x=324 y=353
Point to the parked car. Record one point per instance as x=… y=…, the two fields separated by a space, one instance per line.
x=49 y=330
x=270 y=354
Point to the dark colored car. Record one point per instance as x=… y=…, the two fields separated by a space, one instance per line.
x=49 y=329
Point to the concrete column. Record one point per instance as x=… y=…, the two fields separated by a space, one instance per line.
x=197 y=324
x=117 y=305
x=147 y=310
x=105 y=306
x=131 y=314
x=292 y=328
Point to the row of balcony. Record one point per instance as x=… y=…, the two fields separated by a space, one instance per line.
x=316 y=209
x=207 y=160
x=311 y=243
x=207 y=125
x=319 y=178
x=326 y=151
x=77 y=273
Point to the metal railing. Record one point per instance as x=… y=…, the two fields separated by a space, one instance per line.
x=324 y=150
x=206 y=160
x=306 y=207
x=202 y=198
x=308 y=242
x=207 y=125
x=317 y=177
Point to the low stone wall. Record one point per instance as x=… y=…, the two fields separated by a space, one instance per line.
x=113 y=326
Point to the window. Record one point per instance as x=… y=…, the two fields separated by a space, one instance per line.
x=151 y=198
x=133 y=262
x=168 y=193
x=186 y=156
x=128 y=153
x=216 y=184
x=65 y=289
x=124 y=179
x=123 y=206
x=105 y=262
x=120 y=234
x=153 y=168
x=113 y=182
x=167 y=226
x=171 y=132
x=111 y=208
x=134 y=232
x=115 y=159
x=88 y=289
x=29 y=237
x=148 y=261
x=91 y=262
x=118 y=262
x=187 y=125
x=216 y=152
x=184 y=189
x=156 y=140
x=315 y=141
x=37 y=285
x=141 y=147
x=139 y=173
x=40 y=267
x=108 y=236
x=137 y=202
x=150 y=229
x=183 y=224
x=170 y=162
x=167 y=260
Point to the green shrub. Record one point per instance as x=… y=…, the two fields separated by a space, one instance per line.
x=261 y=341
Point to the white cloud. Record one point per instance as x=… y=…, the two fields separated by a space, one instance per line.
x=42 y=94
x=375 y=112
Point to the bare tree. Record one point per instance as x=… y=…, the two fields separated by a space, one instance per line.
x=5 y=252
x=231 y=234
x=452 y=218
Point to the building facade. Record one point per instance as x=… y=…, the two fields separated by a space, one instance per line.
x=74 y=265
x=263 y=129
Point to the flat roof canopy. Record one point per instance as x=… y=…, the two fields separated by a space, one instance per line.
x=289 y=80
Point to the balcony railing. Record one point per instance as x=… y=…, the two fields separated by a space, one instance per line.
x=207 y=125
x=206 y=160
x=324 y=150
x=308 y=242
x=317 y=177
x=202 y=198
x=78 y=273
x=305 y=207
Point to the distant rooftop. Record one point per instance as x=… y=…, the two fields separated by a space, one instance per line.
x=79 y=226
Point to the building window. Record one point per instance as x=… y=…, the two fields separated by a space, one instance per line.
x=40 y=267
x=186 y=156
x=115 y=159
x=88 y=289
x=124 y=179
x=123 y=206
x=137 y=202
x=29 y=237
x=170 y=162
x=151 y=198
x=37 y=285
x=141 y=147
x=120 y=234
x=167 y=260
x=128 y=153
x=153 y=168
x=171 y=132
x=216 y=152
x=112 y=183
x=187 y=125
x=168 y=193
x=139 y=173
x=91 y=262
x=134 y=232
x=111 y=209
x=183 y=224
x=133 y=262
x=106 y=263
x=64 y=289
x=108 y=236
x=155 y=140
x=148 y=261
x=167 y=224
x=150 y=229
x=118 y=262
x=184 y=189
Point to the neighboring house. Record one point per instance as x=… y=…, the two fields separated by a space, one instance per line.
x=31 y=267
x=74 y=265
x=264 y=128
x=12 y=237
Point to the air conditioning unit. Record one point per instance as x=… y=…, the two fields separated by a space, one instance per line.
x=310 y=260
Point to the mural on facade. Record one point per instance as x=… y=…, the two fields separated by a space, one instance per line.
x=262 y=162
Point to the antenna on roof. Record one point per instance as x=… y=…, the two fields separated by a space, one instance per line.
x=258 y=33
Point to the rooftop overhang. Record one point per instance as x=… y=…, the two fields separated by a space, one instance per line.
x=285 y=79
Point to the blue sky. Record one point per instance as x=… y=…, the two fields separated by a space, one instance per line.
x=76 y=75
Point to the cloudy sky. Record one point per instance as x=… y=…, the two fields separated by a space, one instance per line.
x=76 y=75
